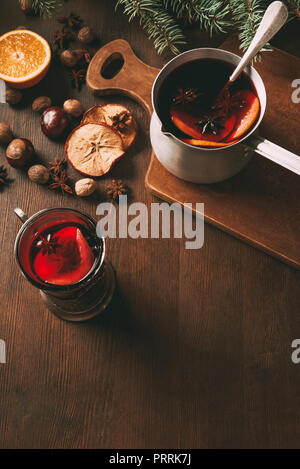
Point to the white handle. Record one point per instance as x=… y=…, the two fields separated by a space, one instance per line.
x=273 y=19
x=275 y=153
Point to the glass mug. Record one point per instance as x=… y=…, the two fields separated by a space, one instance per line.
x=83 y=298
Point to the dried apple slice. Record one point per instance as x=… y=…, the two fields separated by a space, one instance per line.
x=116 y=116
x=92 y=149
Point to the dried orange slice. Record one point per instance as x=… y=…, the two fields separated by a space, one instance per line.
x=108 y=114
x=92 y=149
x=24 y=58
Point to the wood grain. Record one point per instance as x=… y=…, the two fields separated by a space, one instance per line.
x=195 y=349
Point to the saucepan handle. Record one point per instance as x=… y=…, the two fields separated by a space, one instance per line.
x=275 y=153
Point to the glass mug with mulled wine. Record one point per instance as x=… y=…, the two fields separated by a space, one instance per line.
x=193 y=108
x=60 y=252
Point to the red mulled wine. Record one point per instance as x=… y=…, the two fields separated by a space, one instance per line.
x=192 y=107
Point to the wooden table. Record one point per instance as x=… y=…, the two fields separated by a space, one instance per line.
x=195 y=351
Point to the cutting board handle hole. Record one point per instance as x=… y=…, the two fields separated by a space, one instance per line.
x=112 y=66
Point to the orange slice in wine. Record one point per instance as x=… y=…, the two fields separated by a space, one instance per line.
x=193 y=125
x=24 y=58
x=247 y=113
x=207 y=143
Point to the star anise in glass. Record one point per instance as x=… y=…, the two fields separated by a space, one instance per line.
x=119 y=121
x=191 y=95
x=47 y=245
x=72 y=21
x=4 y=181
x=60 y=182
x=78 y=77
x=57 y=165
x=211 y=124
x=115 y=189
x=61 y=38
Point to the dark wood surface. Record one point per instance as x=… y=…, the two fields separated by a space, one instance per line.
x=195 y=349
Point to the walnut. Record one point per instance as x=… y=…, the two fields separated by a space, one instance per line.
x=85 y=187
x=39 y=174
x=69 y=58
x=6 y=134
x=13 y=96
x=73 y=107
x=86 y=35
x=41 y=104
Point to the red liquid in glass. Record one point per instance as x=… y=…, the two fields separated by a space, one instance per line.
x=63 y=254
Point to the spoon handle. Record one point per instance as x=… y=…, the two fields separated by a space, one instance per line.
x=273 y=19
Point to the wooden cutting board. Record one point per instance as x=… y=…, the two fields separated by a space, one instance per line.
x=260 y=205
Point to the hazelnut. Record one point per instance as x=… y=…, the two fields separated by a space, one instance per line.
x=13 y=96
x=85 y=187
x=86 y=35
x=69 y=58
x=6 y=134
x=19 y=152
x=41 y=104
x=73 y=107
x=39 y=174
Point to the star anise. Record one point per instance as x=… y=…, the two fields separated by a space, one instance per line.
x=191 y=95
x=119 y=121
x=211 y=125
x=60 y=182
x=115 y=189
x=78 y=77
x=4 y=181
x=72 y=21
x=57 y=165
x=61 y=38
x=47 y=245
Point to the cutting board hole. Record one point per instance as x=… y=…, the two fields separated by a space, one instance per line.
x=112 y=66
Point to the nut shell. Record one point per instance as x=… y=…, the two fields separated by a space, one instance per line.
x=69 y=58
x=86 y=35
x=73 y=107
x=6 y=135
x=85 y=187
x=39 y=174
x=41 y=104
x=13 y=96
x=19 y=152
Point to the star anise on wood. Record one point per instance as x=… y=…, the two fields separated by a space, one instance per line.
x=4 y=181
x=115 y=189
x=119 y=121
x=78 y=77
x=47 y=245
x=61 y=38
x=60 y=182
x=211 y=125
x=57 y=165
x=72 y=21
x=191 y=95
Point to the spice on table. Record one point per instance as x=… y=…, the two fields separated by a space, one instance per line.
x=38 y=174
x=60 y=182
x=73 y=107
x=78 y=78
x=61 y=38
x=85 y=187
x=86 y=35
x=13 y=96
x=6 y=135
x=41 y=103
x=57 y=165
x=72 y=21
x=115 y=189
x=4 y=181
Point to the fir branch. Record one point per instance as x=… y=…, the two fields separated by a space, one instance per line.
x=157 y=22
x=46 y=7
